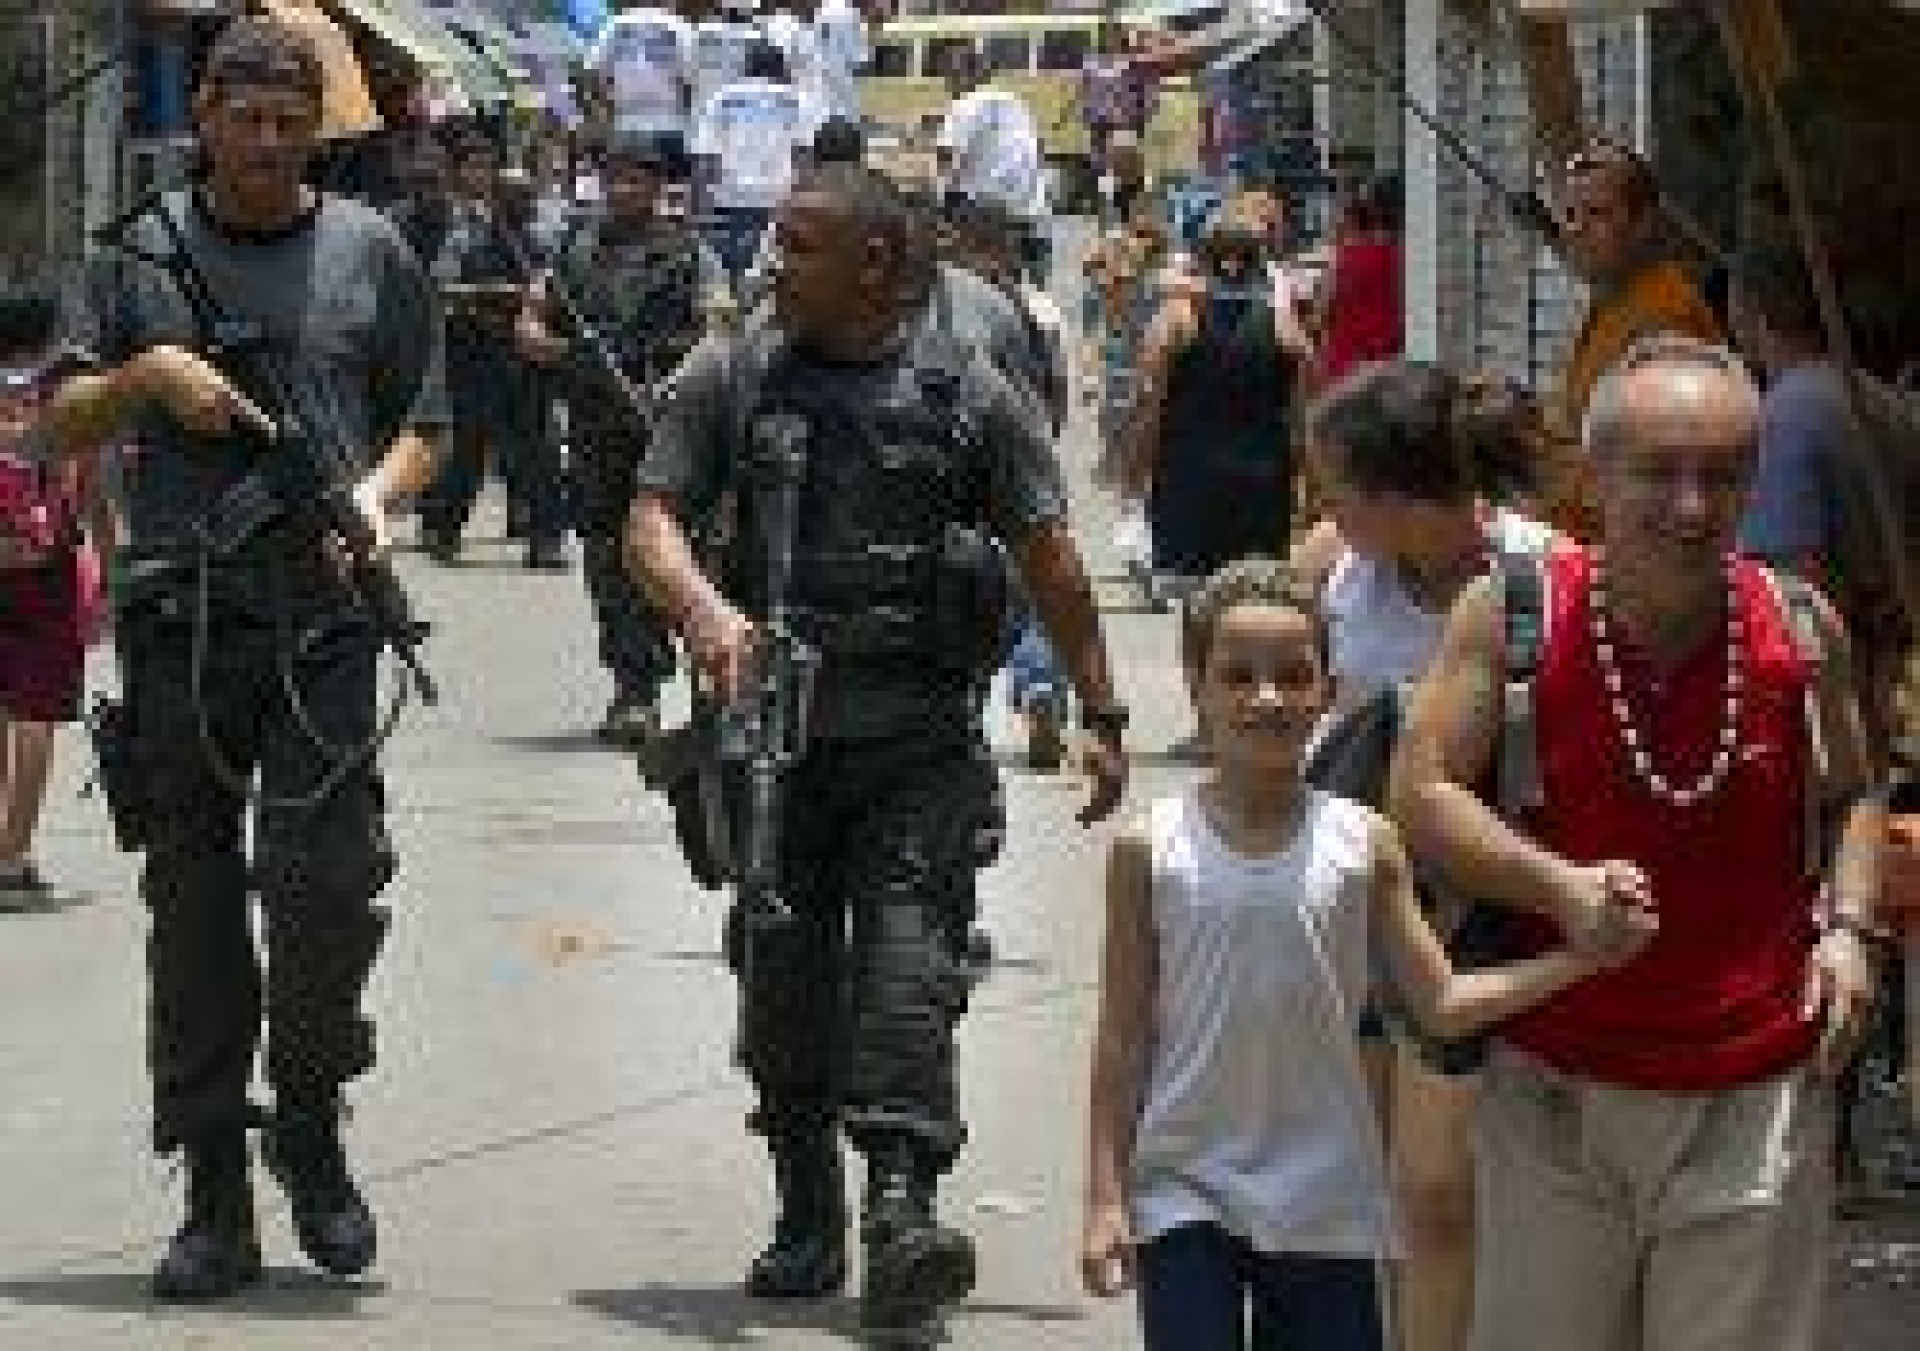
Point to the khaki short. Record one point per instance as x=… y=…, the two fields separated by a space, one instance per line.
x=1615 y=1219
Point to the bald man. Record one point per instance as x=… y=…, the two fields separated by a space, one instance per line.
x=1654 y=1144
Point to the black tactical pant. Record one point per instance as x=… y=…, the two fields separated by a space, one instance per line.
x=315 y=870
x=636 y=645
x=848 y=1016
x=501 y=409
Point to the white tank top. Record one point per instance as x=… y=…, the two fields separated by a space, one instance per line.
x=1256 y=1115
x=1378 y=634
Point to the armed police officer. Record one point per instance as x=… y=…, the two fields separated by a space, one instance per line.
x=914 y=455
x=248 y=650
x=623 y=303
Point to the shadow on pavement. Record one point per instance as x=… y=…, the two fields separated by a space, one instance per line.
x=57 y=903
x=566 y=741
x=287 y=1293
x=719 y=1315
x=725 y=1316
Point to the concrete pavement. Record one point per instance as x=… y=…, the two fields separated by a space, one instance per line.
x=554 y=1141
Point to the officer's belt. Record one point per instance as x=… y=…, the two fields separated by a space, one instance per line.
x=882 y=568
x=877 y=631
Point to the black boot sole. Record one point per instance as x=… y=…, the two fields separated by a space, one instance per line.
x=335 y=1259
x=339 y=1261
x=824 y=1280
x=246 y=1271
x=922 y=1274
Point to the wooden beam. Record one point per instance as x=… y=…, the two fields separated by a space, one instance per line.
x=1553 y=88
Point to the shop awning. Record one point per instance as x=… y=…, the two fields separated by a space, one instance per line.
x=346 y=104
x=491 y=42
x=417 y=34
x=1248 y=48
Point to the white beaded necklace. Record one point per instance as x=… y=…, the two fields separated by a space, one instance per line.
x=1639 y=752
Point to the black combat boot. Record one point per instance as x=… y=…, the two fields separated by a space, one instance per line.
x=330 y=1217
x=808 y=1256
x=217 y=1250
x=915 y=1266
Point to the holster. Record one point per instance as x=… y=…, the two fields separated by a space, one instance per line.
x=972 y=603
x=121 y=774
x=684 y=763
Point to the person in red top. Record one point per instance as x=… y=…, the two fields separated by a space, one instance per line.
x=1363 y=316
x=49 y=586
x=1654 y=1147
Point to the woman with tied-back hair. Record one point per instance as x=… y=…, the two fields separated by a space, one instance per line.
x=1417 y=467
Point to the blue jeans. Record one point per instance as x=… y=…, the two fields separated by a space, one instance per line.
x=1033 y=671
x=1198 y=1282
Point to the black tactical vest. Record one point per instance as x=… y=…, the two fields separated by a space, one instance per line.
x=895 y=576
x=643 y=298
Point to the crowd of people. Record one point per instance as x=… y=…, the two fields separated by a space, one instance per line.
x=1493 y=983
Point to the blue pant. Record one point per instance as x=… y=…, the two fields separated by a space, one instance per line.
x=1033 y=671
x=1198 y=1284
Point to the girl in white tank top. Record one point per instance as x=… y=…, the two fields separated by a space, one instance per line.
x=1234 y=1157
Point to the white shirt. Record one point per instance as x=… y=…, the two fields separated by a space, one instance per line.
x=841 y=32
x=753 y=127
x=645 y=55
x=1256 y=1114
x=996 y=151
x=799 y=43
x=718 y=56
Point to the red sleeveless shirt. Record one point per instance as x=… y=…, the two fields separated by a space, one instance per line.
x=1714 y=1001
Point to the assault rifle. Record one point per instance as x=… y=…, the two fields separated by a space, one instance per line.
x=637 y=395
x=306 y=474
x=763 y=732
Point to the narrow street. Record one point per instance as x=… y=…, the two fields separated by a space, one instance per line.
x=555 y=1141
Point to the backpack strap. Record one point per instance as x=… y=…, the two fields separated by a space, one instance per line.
x=1798 y=603
x=1523 y=603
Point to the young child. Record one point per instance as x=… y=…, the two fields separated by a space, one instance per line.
x=1235 y=1162
x=49 y=590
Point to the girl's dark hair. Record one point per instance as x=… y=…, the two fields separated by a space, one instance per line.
x=256 y=52
x=29 y=318
x=1413 y=429
x=1248 y=581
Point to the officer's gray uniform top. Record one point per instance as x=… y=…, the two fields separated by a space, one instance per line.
x=695 y=458
x=270 y=682
x=337 y=298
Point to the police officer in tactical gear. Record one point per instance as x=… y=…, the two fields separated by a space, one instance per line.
x=911 y=440
x=248 y=667
x=629 y=287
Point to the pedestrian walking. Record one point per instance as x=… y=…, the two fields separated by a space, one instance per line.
x=244 y=758
x=748 y=139
x=1416 y=465
x=630 y=288
x=53 y=519
x=481 y=269
x=915 y=455
x=1615 y=239
x=1213 y=454
x=1234 y=1166
x=1655 y=1146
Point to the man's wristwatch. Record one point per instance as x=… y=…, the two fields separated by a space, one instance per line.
x=1109 y=722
